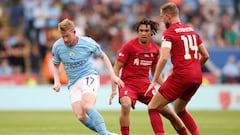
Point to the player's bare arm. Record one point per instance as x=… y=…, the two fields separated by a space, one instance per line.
x=114 y=78
x=56 y=75
x=160 y=79
x=108 y=64
x=117 y=68
x=204 y=54
x=165 y=51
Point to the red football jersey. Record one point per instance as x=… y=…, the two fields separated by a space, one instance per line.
x=184 y=41
x=137 y=60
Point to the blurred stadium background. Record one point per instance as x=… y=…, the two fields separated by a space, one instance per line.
x=28 y=30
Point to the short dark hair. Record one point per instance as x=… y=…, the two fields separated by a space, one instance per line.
x=154 y=25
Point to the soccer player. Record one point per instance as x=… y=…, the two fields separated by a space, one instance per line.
x=135 y=60
x=76 y=53
x=188 y=54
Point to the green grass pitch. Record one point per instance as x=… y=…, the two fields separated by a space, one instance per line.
x=64 y=123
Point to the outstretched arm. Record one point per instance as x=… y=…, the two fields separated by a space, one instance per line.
x=108 y=64
x=56 y=76
x=160 y=65
x=117 y=68
x=160 y=79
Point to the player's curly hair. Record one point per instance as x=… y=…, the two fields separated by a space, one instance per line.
x=154 y=25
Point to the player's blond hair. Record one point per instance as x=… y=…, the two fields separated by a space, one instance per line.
x=169 y=8
x=66 y=25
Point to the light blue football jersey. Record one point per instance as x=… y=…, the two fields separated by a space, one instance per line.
x=77 y=59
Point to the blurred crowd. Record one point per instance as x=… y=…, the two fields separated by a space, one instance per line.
x=28 y=28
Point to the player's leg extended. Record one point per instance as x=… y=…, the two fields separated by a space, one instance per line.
x=179 y=107
x=124 y=114
x=157 y=103
x=77 y=105
x=181 y=103
x=174 y=119
x=82 y=117
x=88 y=101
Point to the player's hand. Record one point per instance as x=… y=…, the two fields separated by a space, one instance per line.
x=56 y=87
x=150 y=87
x=119 y=82
x=114 y=93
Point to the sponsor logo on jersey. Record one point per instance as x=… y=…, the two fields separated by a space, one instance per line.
x=136 y=62
x=146 y=55
x=139 y=62
x=152 y=55
x=74 y=65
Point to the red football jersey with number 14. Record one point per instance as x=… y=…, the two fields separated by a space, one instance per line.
x=185 y=57
x=137 y=61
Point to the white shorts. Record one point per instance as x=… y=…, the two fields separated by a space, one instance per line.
x=87 y=84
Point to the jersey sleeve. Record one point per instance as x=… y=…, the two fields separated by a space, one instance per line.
x=123 y=53
x=199 y=40
x=97 y=51
x=93 y=46
x=166 y=40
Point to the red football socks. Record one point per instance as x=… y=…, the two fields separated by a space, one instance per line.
x=156 y=121
x=125 y=130
x=189 y=122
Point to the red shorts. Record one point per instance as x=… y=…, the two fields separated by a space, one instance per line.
x=174 y=88
x=137 y=94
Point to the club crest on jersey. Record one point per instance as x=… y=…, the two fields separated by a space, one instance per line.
x=154 y=91
x=71 y=54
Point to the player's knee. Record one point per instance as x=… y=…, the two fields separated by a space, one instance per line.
x=179 y=109
x=150 y=107
x=80 y=117
x=87 y=106
x=86 y=109
x=126 y=107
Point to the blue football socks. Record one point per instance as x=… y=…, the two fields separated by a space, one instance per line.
x=89 y=123
x=98 y=121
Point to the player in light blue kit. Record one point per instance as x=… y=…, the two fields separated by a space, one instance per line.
x=76 y=53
